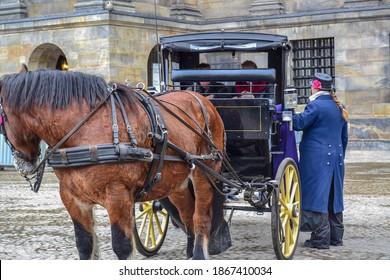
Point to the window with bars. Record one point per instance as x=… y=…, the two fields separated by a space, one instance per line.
x=311 y=56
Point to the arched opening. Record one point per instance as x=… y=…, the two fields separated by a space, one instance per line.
x=154 y=68
x=48 y=56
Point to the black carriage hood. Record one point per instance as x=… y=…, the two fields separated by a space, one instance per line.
x=224 y=41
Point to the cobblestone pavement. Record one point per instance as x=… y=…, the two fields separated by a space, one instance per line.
x=36 y=226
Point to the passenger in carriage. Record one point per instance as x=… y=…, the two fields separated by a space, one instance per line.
x=321 y=164
x=208 y=89
x=244 y=89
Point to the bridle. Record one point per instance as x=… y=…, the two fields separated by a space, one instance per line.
x=3 y=120
x=37 y=173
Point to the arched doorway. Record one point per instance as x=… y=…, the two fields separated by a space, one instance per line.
x=48 y=56
x=154 y=68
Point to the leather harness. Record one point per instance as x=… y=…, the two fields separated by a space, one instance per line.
x=126 y=152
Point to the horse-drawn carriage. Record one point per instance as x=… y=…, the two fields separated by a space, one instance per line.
x=173 y=154
x=260 y=143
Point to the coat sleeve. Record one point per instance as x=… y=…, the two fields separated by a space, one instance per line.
x=344 y=137
x=306 y=119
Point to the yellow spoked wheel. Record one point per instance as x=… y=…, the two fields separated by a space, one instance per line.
x=151 y=225
x=286 y=210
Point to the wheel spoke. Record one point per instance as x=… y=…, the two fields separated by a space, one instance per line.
x=288 y=183
x=142 y=226
x=287 y=240
x=152 y=230
x=158 y=223
x=294 y=190
x=146 y=208
x=295 y=222
x=147 y=236
x=282 y=189
x=283 y=203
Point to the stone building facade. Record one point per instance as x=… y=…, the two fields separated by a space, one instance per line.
x=115 y=39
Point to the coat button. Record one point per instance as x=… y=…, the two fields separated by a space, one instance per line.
x=329 y=154
x=341 y=155
x=341 y=163
x=330 y=146
x=328 y=163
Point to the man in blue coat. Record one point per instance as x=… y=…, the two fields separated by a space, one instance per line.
x=321 y=163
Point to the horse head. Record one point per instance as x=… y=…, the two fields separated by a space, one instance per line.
x=23 y=142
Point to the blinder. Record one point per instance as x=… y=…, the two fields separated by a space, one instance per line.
x=3 y=119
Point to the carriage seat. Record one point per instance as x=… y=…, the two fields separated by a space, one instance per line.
x=224 y=75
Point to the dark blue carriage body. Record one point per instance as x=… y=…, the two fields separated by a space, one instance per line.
x=253 y=125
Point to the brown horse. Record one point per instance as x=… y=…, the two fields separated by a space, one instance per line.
x=46 y=105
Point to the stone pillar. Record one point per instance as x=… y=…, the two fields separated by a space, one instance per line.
x=88 y=5
x=12 y=9
x=185 y=9
x=266 y=7
x=123 y=5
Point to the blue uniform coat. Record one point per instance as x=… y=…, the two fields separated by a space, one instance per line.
x=322 y=152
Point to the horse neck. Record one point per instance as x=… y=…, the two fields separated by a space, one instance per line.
x=53 y=126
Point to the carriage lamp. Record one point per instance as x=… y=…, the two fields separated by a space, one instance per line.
x=290 y=104
x=290 y=98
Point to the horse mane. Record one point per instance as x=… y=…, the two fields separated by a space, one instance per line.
x=57 y=88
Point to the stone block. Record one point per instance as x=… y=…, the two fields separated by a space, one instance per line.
x=381 y=110
x=369 y=128
x=123 y=6
x=362 y=97
x=359 y=109
x=39 y=8
x=266 y=7
x=361 y=3
x=309 y=5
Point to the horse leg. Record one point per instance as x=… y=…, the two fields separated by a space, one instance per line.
x=202 y=215
x=119 y=205
x=184 y=202
x=83 y=221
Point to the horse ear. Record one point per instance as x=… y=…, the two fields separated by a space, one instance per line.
x=24 y=68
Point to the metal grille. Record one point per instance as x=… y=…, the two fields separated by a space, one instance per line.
x=311 y=56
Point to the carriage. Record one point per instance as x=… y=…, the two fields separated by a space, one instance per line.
x=260 y=144
x=173 y=154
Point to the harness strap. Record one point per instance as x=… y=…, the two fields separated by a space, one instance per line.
x=154 y=113
x=124 y=115
x=204 y=167
x=159 y=134
x=205 y=116
x=115 y=128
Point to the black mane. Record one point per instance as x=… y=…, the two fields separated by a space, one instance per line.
x=57 y=88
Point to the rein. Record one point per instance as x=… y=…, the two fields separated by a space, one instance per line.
x=207 y=139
